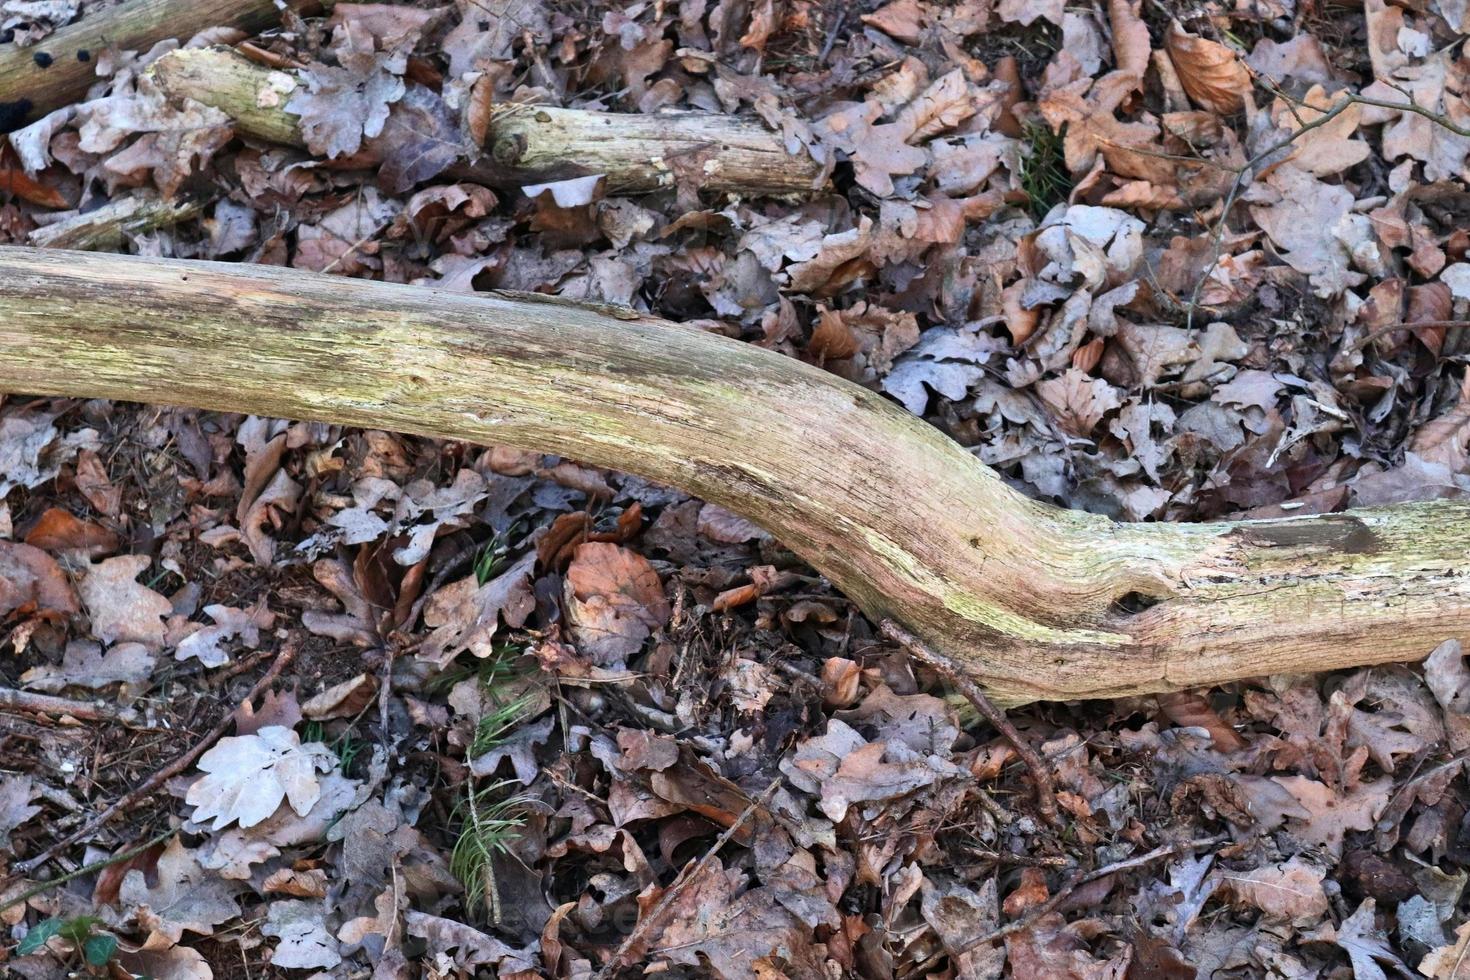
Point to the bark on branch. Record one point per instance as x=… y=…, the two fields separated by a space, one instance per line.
x=527 y=144
x=1034 y=601
x=58 y=70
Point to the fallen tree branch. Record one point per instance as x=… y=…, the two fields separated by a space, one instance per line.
x=526 y=144
x=46 y=704
x=109 y=227
x=59 y=69
x=1033 y=601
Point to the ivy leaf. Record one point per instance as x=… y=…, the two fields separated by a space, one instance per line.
x=39 y=936
x=98 y=949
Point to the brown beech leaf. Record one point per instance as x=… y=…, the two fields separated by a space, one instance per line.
x=614 y=601
x=31 y=581
x=1212 y=75
x=1131 y=47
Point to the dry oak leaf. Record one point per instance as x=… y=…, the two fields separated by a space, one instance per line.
x=614 y=601
x=31 y=581
x=340 y=106
x=186 y=898
x=304 y=942
x=16 y=793
x=1212 y=74
x=470 y=947
x=1288 y=891
x=85 y=665
x=247 y=777
x=466 y=615
x=123 y=610
x=1330 y=148
x=207 y=645
x=1303 y=224
x=713 y=926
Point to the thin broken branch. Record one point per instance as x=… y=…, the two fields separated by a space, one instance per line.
x=1046 y=794
x=60 y=68
x=109 y=227
x=527 y=144
x=30 y=702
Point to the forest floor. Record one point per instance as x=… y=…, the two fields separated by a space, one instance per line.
x=413 y=708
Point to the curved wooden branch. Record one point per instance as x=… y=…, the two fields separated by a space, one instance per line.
x=1037 y=602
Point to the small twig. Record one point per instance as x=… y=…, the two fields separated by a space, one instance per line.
x=682 y=881
x=1373 y=335
x=1046 y=796
x=1327 y=115
x=45 y=704
x=1077 y=880
x=832 y=33
x=1236 y=186
x=126 y=855
x=287 y=654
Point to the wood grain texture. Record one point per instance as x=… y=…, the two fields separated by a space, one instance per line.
x=109 y=227
x=528 y=144
x=1037 y=602
x=30 y=89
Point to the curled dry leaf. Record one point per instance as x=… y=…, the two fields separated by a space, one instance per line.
x=1212 y=75
x=32 y=582
x=342 y=700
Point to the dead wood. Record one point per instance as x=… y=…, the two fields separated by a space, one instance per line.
x=528 y=144
x=109 y=227
x=59 y=69
x=1034 y=601
x=46 y=705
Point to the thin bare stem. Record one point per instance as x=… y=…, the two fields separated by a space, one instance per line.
x=1046 y=795
x=682 y=881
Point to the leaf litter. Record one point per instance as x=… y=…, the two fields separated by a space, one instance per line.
x=552 y=721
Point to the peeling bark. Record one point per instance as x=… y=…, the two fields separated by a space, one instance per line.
x=60 y=68
x=528 y=144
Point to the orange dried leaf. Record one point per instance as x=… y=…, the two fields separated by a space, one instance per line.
x=1212 y=74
